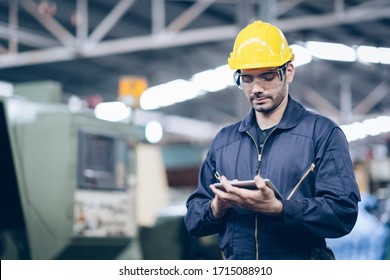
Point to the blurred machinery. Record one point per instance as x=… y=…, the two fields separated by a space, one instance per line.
x=67 y=186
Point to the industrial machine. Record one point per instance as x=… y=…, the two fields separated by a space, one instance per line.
x=67 y=184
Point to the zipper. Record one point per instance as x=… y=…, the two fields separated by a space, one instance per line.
x=256 y=217
x=256 y=236
x=259 y=158
x=260 y=152
x=257 y=148
x=311 y=168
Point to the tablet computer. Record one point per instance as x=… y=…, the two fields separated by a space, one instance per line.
x=250 y=184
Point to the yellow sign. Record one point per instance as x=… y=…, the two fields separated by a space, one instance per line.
x=131 y=89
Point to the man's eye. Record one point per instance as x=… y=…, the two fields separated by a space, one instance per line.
x=269 y=76
x=247 y=78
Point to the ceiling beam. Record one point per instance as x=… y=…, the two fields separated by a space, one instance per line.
x=81 y=20
x=127 y=45
x=268 y=10
x=158 y=16
x=94 y=47
x=141 y=43
x=13 y=26
x=284 y=6
x=110 y=20
x=47 y=21
x=320 y=103
x=372 y=99
x=188 y=16
x=55 y=54
x=345 y=99
x=27 y=38
x=333 y=19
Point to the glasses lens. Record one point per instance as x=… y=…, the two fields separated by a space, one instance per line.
x=270 y=79
x=266 y=80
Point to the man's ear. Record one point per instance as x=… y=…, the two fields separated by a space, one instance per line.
x=290 y=71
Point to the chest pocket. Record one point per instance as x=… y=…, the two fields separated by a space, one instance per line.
x=237 y=160
x=288 y=161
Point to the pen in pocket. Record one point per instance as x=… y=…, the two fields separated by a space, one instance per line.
x=217 y=175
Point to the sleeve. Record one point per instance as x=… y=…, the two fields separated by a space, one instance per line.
x=199 y=219
x=333 y=211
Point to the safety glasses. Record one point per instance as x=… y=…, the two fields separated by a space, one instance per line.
x=267 y=80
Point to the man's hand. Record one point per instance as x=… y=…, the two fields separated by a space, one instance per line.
x=261 y=200
x=219 y=207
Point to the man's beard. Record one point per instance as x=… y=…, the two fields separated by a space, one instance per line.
x=266 y=109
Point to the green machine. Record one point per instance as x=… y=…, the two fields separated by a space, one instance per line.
x=67 y=184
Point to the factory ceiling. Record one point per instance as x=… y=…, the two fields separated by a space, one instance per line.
x=87 y=45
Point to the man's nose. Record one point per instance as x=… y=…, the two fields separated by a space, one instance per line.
x=257 y=86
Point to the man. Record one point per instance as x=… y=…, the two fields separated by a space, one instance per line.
x=305 y=156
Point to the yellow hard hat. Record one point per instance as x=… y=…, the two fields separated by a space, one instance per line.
x=260 y=44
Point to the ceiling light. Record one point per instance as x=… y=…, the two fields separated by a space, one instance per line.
x=331 y=51
x=301 y=55
x=384 y=54
x=368 y=127
x=208 y=80
x=226 y=74
x=112 y=111
x=368 y=54
x=169 y=94
x=214 y=79
x=153 y=132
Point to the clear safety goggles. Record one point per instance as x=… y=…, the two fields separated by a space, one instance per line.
x=267 y=80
